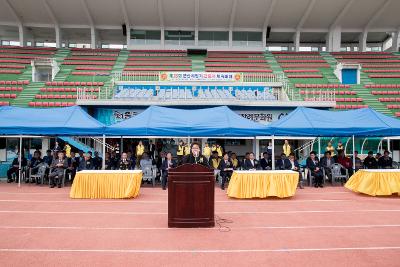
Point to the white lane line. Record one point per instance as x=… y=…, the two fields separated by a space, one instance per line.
x=78 y=201
x=215 y=228
x=218 y=212
x=206 y=251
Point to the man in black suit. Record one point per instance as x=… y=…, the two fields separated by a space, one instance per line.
x=314 y=165
x=282 y=163
x=295 y=166
x=124 y=163
x=251 y=163
x=226 y=169
x=87 y=163
x=195 y=156
x=326 y=162
x=370 y=162
x=57 y=170
x=151 y=148
x=385 y=162
x=167 y=164
x=266 y=162
x=15 y=168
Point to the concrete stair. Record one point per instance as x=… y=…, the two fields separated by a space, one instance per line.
x=120 y=63
x=28 y=94
x=198 y=63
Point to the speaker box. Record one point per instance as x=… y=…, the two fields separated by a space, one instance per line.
x=124 y=29
x=268 y=31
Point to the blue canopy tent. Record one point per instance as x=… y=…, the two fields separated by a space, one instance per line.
x=313 y=122
x=208 y=122
x=71 y=121
x=54 y=121
x=322 y=123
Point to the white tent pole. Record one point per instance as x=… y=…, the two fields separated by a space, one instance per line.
x=20 y=162
x=354 y=155
x=103 y=163
x=273 y=152
x=319 y=148
x=388 y=144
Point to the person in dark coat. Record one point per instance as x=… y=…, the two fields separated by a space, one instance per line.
x=167 y=164
x=313 y=164
x=266 y=162
x=326 y=162
x=195 y=156
x=226 y=169
x=124 y=163
x=57 y=169
x=251 y=163
x=15 y=168
x=370 y=162
x=295 y=166
x=87 y=163
x=282 y=163
x=385 y=162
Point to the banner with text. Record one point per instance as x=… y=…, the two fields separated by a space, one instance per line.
x=201 y=77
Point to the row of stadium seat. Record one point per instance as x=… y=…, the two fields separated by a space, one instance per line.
x=382 y=86
x=153 y=63
x=350 y=106
x=235 y=60
x=305 y=65
x=384 y=76
x=25 y=82
x=12 y=66
x=68 y=90
x=284 y=61
x=234 y=69
x=19 y=61
x=157 y=54
x=381 y=70
x=314 y=76
x=393 y=106
x=74 y=83
x=8 y=95
x=303 y=85
x=94 y=68
x=302 y=92
x=51 y=104
x=55 y=96
x=350 y=99
x=90 y=73
x=162 y=59
x=301 y=71
x=10 y=72
x=91 y=58
x=389 y=99
x=18 y=51
x=385 y=92
x=252 y=65
x=27 y=47
x=158 y=69
x=4 y=103
x=366 y=66
x=88 y=63
x=11 y=88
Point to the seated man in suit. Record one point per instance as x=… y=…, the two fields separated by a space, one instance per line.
x=226 y=169
x=34 y=165
x=266 y=162
x=124 y=163
x=283 y=163
x=195 y=156
x=295 y=166
x=167 y=164
x=15 y=168
x=57 y=169
x=251 y=163
x=370 y=162
x=87 y=163
x=314 y=166
x=385 y=162
x=326 y=162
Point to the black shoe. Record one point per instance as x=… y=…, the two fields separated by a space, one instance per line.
x=320 y=185
x=9 y=181
x=164 y=188
x=52 y=186
x=59 y=186
x=316 y=186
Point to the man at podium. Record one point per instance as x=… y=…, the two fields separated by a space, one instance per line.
x=195 y=156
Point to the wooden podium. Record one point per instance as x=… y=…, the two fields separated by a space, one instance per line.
x=191 y=196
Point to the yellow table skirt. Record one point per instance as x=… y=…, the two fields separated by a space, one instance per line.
x=262 y=184
x=106 y=184
x=375 y=182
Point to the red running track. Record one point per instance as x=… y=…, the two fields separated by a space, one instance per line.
x=40 y=226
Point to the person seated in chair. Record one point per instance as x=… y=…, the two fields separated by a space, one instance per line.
x=73 y=165
x=283 y=163
x=251 y=163
x=226 y=169
x=167 y=164
x=87 y=163
x=370 y=162
x=214 y=160
x=326 y=162
x=57 y=169
x=266 y=162
x=295 y=166
x=124 y=163
x=34 y=165
x=385 y=162
x=195 y=156
x=15 y=168
x=145 y=161
x=313 y=165
x=97 y=161
x=235 y=161
x=109 y=163
x=346 y=162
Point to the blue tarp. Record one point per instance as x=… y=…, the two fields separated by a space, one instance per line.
x=51 y=121
x=208 y=122
x=313 y=122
